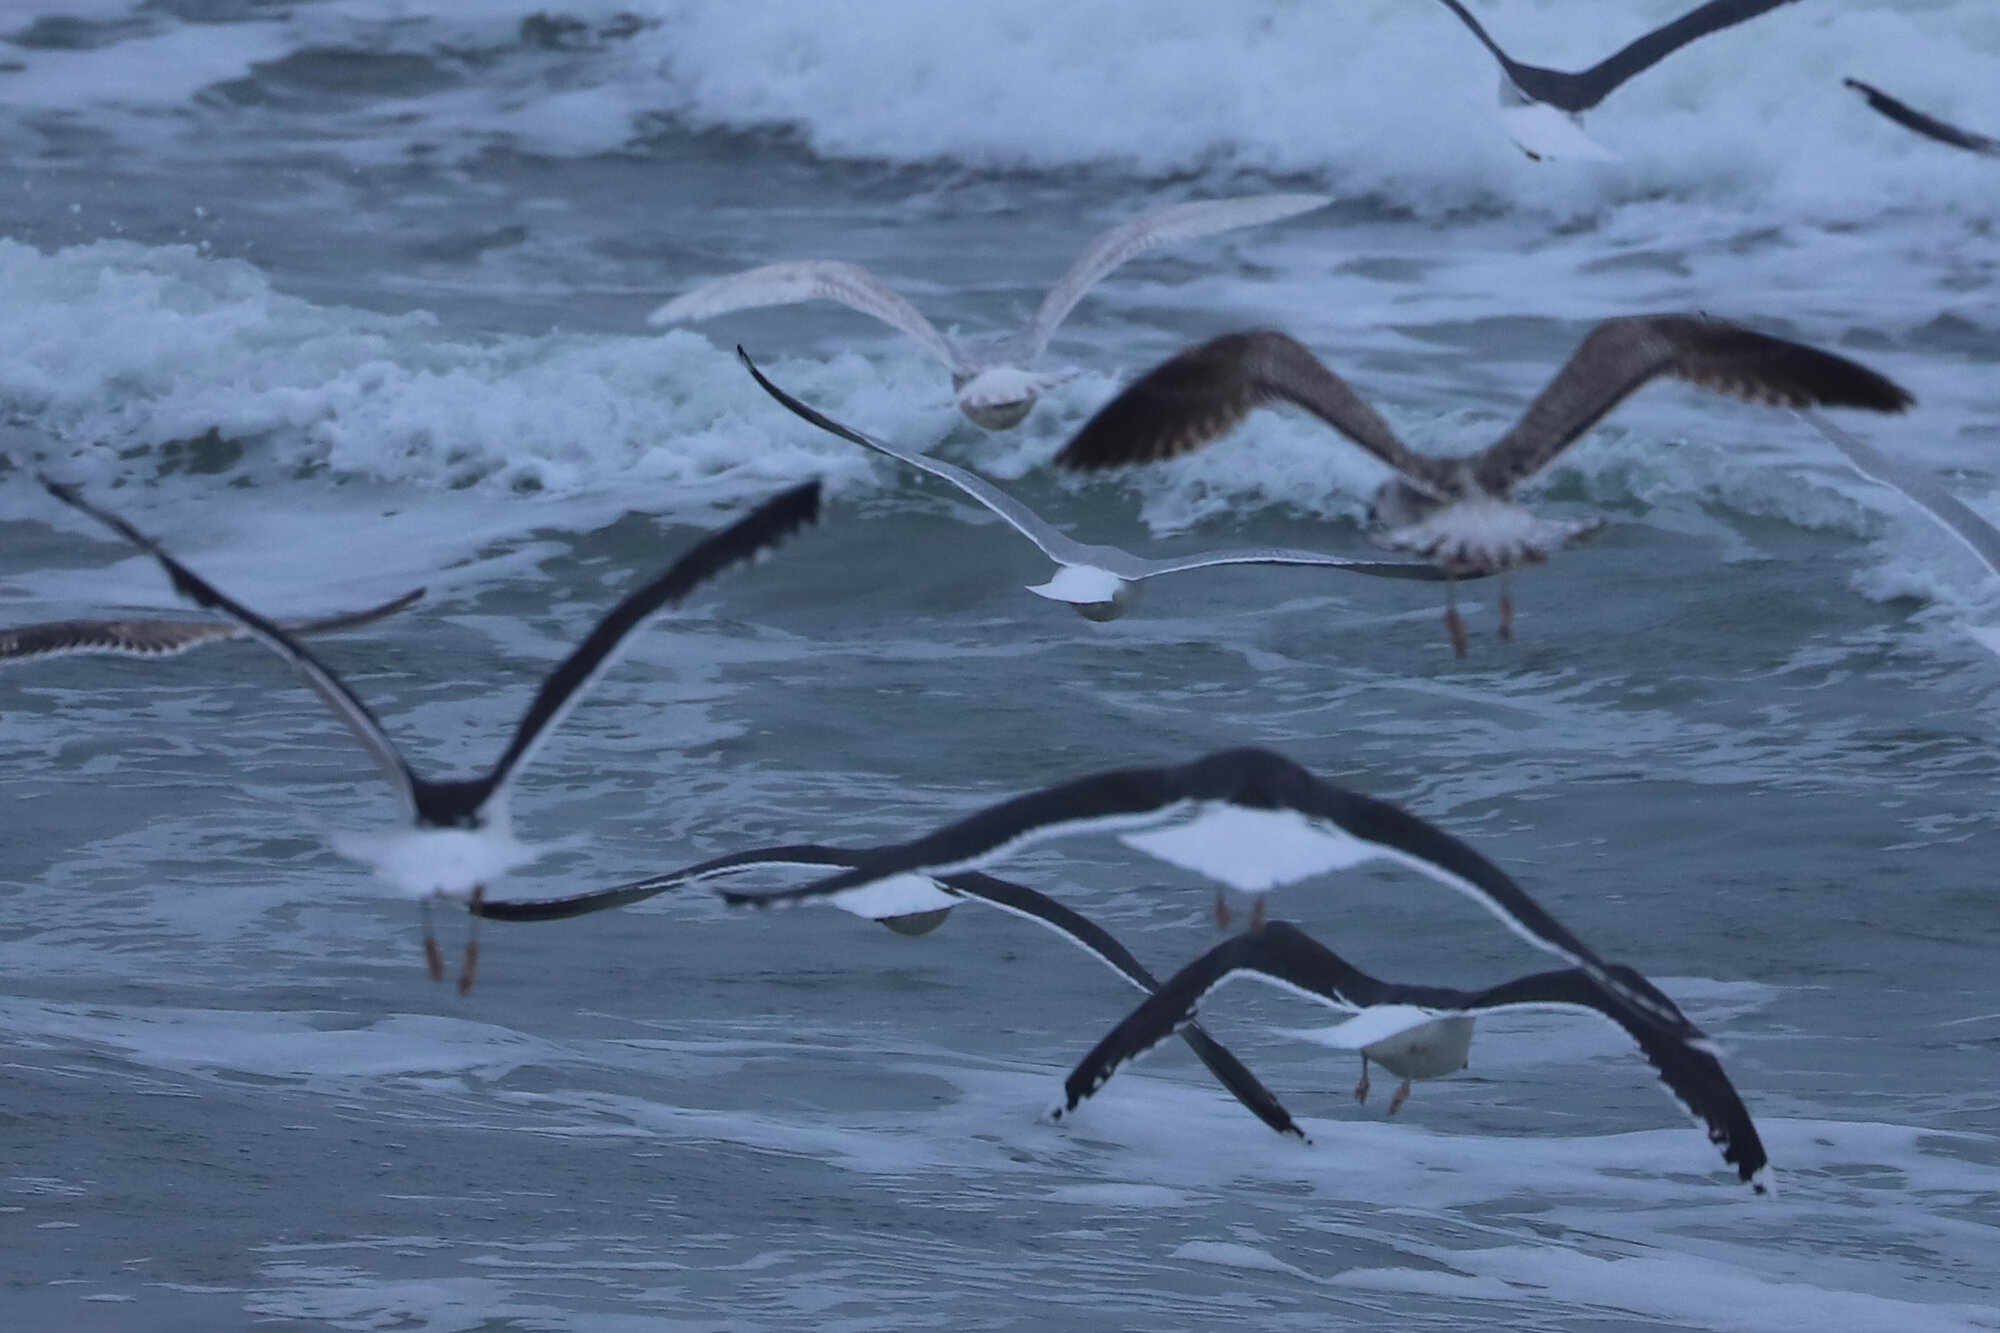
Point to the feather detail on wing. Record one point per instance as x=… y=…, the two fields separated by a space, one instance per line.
x=1164 y=226
x=811 y=280
x=1205 y=392
x=1620 y=356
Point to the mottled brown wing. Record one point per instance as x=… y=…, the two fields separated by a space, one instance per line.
x=125 y=638
x=1621 y=355
x=1205 y=392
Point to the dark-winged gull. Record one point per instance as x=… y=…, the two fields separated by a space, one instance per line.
x=1098 y=582
x=164 y=638
x=1284 y=956
x=458 y=835
x=991 y=380
x=1929 y=126
x=1460 y=512
x=1249 y=819
x=1539 y=107
x=917 y=905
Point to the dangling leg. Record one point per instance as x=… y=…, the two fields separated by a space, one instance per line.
x=470 y=972
x=1222 y=913
x=1507 y=605
x=1402 y=1095
x=1453 y=622
x=1257 y=914
x=1361 y=1088
x=433 y=956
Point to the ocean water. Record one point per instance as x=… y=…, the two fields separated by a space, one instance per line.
x=348 y=297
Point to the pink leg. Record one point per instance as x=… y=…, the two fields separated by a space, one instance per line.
x=1361 y=1088
x=1257 y=914
x=1402 y=1095
x=470 y=972
x=1454 y=623
x=1507 y=605
x=1222 y=913
x=433 y=956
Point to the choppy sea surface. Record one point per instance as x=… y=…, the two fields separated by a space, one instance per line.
x=347 y=297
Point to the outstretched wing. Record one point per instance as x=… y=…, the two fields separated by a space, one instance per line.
x=809 y=280
x=1017 y=899
x=1205 y=392
x=1149 y=231
x=1282 y=955
x=1929 y=126
x=745 y=539
x=329 y=687
x=161 y=638
x=1619 y=356
x=1584 y=90
x=1018 y=516
x=1423 y=572
x=1921 y=487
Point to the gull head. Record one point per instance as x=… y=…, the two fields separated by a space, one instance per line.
x=1093 y=593
x=1001 y=396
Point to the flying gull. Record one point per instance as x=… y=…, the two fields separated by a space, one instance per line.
x=1539 y=107
x=992 y=383
x=1282 y=955
x=1249 y=819
x=1099 y=582
x=1929 y=126
x=163 y=638
x=917 y=905
x=458 y=835
x=1460 y=512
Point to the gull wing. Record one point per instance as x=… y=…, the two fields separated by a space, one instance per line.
x=1921 y=487
x=1929 y=126
x=744 y=540
x=1017 y=899
x=1203 y=393
x=1584 y=90
x=1422 y=571
x=1247 y=817
x=122 y=638
x=1284 y=956
x=810 y=280
x=1620 y=356
x=161 y=638
x=1149 y=231
x=329 y=687
x=1058 y=547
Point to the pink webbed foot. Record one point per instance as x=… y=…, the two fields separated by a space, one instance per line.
x=470 y=971
x=1507 y=607
x=1223 y=915
x=1454 y=624
x=1402 y=1095
x=433 y=955
x=1361 y=1088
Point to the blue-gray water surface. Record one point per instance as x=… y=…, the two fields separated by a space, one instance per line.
x=347 y=298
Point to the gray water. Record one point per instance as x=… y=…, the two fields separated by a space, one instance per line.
x=1743 y=740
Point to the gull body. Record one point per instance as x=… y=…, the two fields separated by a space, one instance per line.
x=1284 y=956
x=991 y=381
x=1098 y=582
x=1248 y=819
x=457 y=837
x=1459 y=512
x=1540 y=109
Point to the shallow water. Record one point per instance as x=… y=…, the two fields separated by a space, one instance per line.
x=349 y=297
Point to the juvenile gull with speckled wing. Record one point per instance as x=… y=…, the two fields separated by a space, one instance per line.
x=1284 y=956
x=163 y=638
x=992 y=383
x=1539 y=108
x=457 y=835
x=1459 y=513
x=1098 y=582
